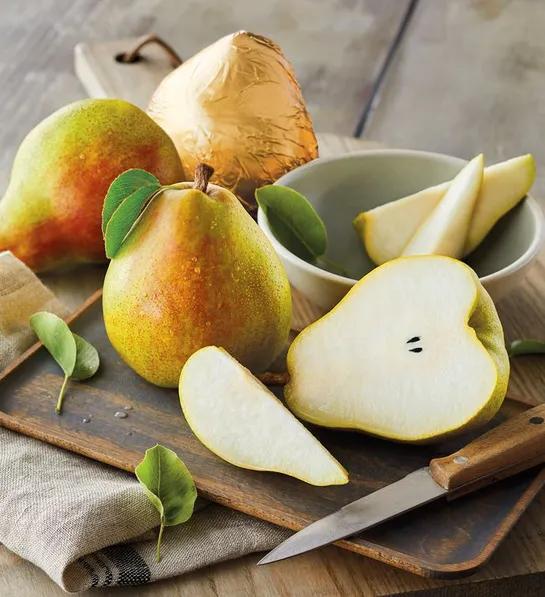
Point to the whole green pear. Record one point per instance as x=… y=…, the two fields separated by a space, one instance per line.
x=195 y=271
x=50 y=215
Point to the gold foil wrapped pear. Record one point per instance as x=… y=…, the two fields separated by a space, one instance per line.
x=237 y=106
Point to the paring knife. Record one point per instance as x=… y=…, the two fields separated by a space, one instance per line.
x=512 y=447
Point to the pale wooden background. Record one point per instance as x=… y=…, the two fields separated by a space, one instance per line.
x=467 y=76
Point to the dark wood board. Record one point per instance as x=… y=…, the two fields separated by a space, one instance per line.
x=442 y=540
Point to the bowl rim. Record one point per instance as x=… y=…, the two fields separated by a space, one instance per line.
x=519 y=263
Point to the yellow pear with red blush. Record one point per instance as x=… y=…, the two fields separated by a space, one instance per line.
x=50 y=215
x=194 y=271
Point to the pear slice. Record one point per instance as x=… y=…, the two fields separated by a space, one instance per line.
x=445 y=230
x=387 y=229
x=235 y=416
x=414 y=352
x=504 y=185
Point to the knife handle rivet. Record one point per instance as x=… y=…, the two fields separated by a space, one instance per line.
x=461 y=460
x=536 y=420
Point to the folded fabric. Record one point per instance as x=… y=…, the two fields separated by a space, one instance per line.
x=86 y=524
x=21 y=295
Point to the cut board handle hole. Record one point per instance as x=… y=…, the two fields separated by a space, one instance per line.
x=134 y=55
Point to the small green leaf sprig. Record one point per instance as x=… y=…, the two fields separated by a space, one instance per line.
x=169 y=487
x=128 y=196
x=296 y=224
x=522 y=347
x=77 y=358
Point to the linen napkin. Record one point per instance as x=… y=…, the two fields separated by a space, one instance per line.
x=86 y=524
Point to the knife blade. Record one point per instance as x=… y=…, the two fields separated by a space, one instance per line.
x=512 y=447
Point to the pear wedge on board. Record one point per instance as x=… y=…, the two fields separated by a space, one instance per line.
x=445 y=230
x=386 y=229
x=235 y=416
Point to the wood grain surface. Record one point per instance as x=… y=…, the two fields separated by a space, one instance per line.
x=336 y=48
x=469 y=77
x=517 y=445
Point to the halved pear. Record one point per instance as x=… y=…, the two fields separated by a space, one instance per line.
x=414 y=352
x=445 y=230
x=235 y=416
x=386 y=230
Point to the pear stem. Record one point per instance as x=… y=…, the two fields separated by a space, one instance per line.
x=58 y=407
x=274 y=378
x=159 y=539
x=203 y=173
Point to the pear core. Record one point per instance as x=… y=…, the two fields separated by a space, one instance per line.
x=241 y=421
x=415 y=351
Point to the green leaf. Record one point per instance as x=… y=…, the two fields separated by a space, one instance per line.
x=521 y=347
x=87 y=359
x=169 y=487
x=293 y=220
x=75 y=356
x=168 y=484
x=124 y=217
x=123 y=186
x=57 y=338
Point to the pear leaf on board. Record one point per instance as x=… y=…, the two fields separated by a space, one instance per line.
x=293 y=220
x=122 y=186
x=87 y=359
x=124 y=217
x=169 y=487
x=522 y=347
x=75 y=356
x=57 y=338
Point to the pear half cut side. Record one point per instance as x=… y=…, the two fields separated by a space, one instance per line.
x=235 y=416
x=414 y=352
x=445 y=230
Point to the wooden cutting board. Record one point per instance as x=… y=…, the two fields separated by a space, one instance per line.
x=116 y=416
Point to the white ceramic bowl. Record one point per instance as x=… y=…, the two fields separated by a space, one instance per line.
x=341 y=187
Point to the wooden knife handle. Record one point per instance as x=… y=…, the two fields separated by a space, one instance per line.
x=512 y=447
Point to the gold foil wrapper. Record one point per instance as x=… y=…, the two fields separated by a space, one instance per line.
x=237 y=106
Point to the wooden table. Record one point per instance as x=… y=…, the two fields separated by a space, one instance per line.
x=459 y=77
